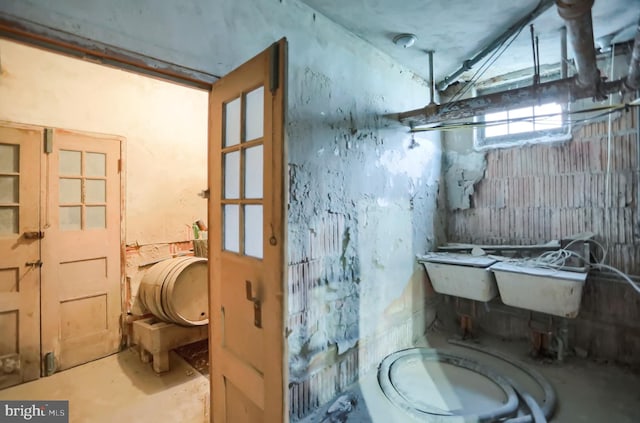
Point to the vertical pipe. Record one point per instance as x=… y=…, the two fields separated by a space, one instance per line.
x=577 y=16
x=431 y=80
x=633 y=78
x=564 y=68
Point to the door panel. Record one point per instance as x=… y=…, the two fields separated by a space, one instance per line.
x=246 y=272
x=81 y=274
x=19 y=290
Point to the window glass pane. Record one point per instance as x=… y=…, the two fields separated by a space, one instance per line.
x=70 y=219
x=96 y=191
x=70 y=162
x=232 y=175
x=520 y=120
x=96 y=217
x=9 y=158
x=253 y=172
x=231 y=228
x=254 y=114
x=9 y=223
x=548 y=116
x=496 y=130
x=96 y=164
x=70 y=190
x=253 y=231
x=232 y=123
x=9 y=189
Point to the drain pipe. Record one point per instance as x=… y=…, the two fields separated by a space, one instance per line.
x=632 y=82
x=577 y=16
x=431 y=80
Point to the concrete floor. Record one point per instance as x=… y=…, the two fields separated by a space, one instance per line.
x=121 y=388
x=588 y=392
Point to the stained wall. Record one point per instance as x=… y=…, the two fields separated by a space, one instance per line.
x=362 y=197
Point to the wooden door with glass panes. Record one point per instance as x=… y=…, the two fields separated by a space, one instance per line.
x=246 y=272
x=81 y=274
x=20 y=153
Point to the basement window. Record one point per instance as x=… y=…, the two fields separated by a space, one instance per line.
x=525 y=125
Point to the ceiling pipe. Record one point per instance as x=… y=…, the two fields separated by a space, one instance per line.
x=633 y=78
x=560 y=91
x=587 y=83
x=577 y=17
x=543 y=6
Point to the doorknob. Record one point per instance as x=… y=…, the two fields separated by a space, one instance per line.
x=34 y=235
x=37 y=263
x=257 y=306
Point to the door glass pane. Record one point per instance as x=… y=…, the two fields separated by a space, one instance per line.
x=70 y=190
x=232 y=175
x=96 y=217
x=96 y=191
x=253 y=230
x=70 y=219
x=96 y=164
x=232 y=228
x=9 y=158
x=70 y=162
x=253 y=172
x=254 y=114
x=9 y=220
x=232 y=123
x=9 y=189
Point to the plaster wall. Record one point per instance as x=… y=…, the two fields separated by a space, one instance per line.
x=362 y=198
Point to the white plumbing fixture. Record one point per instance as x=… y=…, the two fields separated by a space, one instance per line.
x=550 y=291
x=461 y=275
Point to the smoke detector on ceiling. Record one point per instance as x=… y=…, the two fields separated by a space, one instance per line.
x=405 y=40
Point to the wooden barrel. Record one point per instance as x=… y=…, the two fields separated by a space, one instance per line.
x=175 y=290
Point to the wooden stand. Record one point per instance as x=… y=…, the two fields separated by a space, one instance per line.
x=156 y=338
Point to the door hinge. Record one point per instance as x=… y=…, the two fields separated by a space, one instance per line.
x=49 y=364
x=48 y=140
x=119 y=165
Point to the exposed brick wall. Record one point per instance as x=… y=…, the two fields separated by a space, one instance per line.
x=538 y=193
x=327 y=347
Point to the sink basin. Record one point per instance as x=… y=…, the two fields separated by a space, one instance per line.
x=461 y=275
x=550 y=291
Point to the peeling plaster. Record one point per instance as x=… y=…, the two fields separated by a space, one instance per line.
x=462 y=171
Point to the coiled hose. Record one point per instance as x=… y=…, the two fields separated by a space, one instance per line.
x=503 y=413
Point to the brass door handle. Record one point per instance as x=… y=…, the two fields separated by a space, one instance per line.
x=257 y=306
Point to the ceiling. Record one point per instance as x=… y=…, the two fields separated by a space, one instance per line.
x=457 y=29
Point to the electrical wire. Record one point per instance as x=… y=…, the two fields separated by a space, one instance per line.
x=459 y=125
x=557 y=259
x=495 y=55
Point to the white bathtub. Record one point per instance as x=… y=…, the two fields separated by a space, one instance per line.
x=461 y=275
x=556 y=292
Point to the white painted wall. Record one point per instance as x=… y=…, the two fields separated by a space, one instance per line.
x=165 y=126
